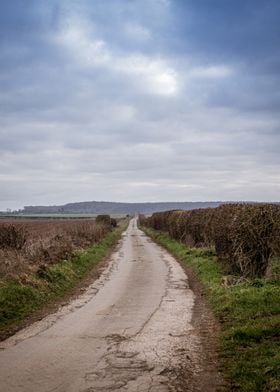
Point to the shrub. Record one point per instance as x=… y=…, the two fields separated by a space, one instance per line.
x=104 y=219
x=12 y=237
x=113 y=222
x=245 y=236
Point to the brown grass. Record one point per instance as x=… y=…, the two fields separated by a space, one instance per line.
x=27 y=243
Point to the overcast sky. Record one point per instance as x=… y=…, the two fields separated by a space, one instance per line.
x=139 y=100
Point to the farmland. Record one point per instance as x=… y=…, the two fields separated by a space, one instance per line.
x=27 y=243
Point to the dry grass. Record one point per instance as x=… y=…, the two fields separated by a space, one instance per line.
x=25 y=243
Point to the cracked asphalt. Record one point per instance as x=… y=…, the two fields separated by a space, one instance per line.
x=131 y=330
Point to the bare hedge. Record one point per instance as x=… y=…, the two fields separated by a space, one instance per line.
x=245 y=236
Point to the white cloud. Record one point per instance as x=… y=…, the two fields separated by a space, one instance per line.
x=157 y=77
x=148 y=74
x=88 y=52
x=211 y=72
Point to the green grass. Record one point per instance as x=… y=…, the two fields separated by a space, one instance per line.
x=249 y=315
x=19 y=298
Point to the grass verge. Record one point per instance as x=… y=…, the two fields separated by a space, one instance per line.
x=249 y=315
x=20 y=297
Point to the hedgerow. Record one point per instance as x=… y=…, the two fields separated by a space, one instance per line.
x=245 y=236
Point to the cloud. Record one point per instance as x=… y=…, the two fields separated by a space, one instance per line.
x=211 y=72
x=149 y=74
x=137 y=32
x=134 y=101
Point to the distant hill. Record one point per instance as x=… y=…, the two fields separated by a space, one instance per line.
x=103 y=207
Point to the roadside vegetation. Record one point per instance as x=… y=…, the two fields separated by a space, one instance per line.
x=245 y=296
x=26 y=244
x=46 y=260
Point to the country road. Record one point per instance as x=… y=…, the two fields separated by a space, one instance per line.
x=131 y=330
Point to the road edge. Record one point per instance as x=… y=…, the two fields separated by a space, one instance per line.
x=54 y=295
x=204 y=322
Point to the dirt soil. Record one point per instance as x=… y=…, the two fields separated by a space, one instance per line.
x=142 y=326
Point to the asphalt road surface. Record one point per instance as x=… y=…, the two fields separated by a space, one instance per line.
x=131 y=330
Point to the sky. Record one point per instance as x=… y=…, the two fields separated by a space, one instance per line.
x=139 y=100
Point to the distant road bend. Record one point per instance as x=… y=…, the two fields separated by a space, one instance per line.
x=130 y=331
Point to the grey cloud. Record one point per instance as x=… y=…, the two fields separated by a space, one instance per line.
x=73 y=131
